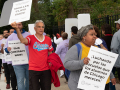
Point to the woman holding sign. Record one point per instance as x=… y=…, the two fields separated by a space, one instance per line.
x=76 y=56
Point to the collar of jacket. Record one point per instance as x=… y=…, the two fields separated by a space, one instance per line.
x=23 y=31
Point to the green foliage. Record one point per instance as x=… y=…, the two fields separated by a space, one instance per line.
x=103 y=8
x=59 y=9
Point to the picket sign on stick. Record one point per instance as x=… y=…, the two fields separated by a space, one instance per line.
x=18 y=52
x=95 y=74
x=15 y=11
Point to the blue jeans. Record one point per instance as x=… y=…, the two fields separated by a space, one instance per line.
x=22 y=75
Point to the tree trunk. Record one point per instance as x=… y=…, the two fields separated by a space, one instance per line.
x=70 y=10
x=35 y=5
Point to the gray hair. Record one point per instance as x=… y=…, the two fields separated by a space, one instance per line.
x=84 y=30
x=39 y=21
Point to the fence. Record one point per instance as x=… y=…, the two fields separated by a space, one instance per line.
x=108 y=19
x=98 y=22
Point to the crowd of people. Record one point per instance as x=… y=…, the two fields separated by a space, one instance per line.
x=47 y=56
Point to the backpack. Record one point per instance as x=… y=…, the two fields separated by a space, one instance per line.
x=78 y=48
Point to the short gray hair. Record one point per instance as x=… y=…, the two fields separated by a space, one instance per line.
x=84 y=30
x=39 y=21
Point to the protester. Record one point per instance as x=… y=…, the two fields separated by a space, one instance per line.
x=1 y=37
x=74 y=39
x=115 y=46
x=40 y=47
x=11 y=31
x=21 y=71
x=75 y=63
x=107 y=32
x=57 y=41
x=62 y=49
x=6 y=69
x=11 y=70
x=53 y=45
x=99 y=42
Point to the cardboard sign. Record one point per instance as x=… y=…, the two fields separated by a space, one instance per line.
x=69 y=22
x=95 y=74
x=15 y=10
x=83 y=20
x=18 y=52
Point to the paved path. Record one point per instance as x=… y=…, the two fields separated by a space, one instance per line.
x=63 y=86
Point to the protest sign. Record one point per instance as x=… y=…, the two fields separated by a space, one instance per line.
x=1 y=55
x=15 y=10
x=7 y=56
x=18 y=52
x=31 y=29
x=83 y=20
x=69 y=22
x=95 y=74
x=20 y=11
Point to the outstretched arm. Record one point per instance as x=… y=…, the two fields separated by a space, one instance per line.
x=23 y=40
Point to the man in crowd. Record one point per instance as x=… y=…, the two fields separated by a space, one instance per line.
x=21 y=70
x=6 y=69
x=11 y=31
x=115 y=46
x=1 y=37
x=11 y=70
x=40 y=47
x=59 y=40
x=74 y=39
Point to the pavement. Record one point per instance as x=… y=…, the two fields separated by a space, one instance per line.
x=63 y=86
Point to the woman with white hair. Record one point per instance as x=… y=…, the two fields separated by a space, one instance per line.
x=75 y=62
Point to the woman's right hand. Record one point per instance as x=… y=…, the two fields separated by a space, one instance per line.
x=9 y=49
x=86 y=60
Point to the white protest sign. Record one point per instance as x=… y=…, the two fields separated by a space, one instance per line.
x=95 y=74
x=83 y=20
x=4 y=41
x=20 y=11
x=18 y=52
x=7 y=56
x=1 y=55
x=31 y=29
x=69 y=22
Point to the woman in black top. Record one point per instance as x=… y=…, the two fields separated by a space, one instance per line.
x=107 y=32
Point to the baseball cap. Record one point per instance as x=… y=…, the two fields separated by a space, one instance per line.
x=118 y=21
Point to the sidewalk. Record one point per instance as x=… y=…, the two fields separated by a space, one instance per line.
x=63 y=86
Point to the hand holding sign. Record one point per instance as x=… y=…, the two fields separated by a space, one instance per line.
x=86 y=60
x=2 y=45
x=9 y=49
x=14 y=25
x=113 y=81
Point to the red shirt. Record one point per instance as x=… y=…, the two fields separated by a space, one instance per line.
x=38 y=52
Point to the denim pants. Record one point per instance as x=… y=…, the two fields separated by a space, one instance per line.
x=22 y=75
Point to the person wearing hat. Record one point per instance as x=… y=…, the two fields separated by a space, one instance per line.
x=75 y=62
x=115 y=46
